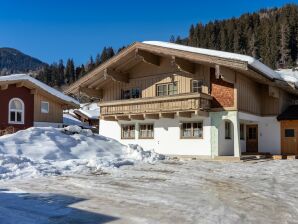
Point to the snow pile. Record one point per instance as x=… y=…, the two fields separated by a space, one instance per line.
x=50 y=151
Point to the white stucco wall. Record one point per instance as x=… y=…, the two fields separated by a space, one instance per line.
x=166 y=136
x=226 y=146
x=269 y=132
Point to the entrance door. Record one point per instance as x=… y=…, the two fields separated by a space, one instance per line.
x=252 y=138
x=289 y=141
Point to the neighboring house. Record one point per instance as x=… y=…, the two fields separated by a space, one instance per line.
x=182 y=100
x=89 y=114
x=27 y=102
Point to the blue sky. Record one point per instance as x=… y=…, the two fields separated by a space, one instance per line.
x=52 y=29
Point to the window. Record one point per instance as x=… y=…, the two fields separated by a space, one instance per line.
x=44 y=107
x=135 y=93
x=242 y=132
x=128 y=131
x=197 y=86
x=166 y=89
x=146 y=131
x=192 y=130
x=132 y=93
x=289 y=133
x=16 y=111
x=252 y=133
x=228 y=133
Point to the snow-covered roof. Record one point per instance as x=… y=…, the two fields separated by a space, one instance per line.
x=48 y=89
x=222 y=54
x=91 y=114
x=289 y=75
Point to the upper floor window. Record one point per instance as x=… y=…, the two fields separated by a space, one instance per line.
x=166 y=89
x=196 y=86
x=16 y=111
x=128 y=131
x=131 y=93
x=44 y=107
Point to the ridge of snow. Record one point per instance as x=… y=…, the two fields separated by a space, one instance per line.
x=52 y=151
x=50 y=90
x=222 y=54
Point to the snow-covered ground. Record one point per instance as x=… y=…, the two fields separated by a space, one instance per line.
x=164 y=192
x=51 y=151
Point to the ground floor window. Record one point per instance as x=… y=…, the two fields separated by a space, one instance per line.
x=242 y=131
x=128 y=131
x=16 y=111
x=146 y=131
x=192 y=130
x=228 y=131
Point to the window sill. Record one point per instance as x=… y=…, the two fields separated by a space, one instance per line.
x=16 y=122
x=191 y=138
x=146 y=138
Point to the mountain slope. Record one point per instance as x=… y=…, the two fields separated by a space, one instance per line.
x=13 y=61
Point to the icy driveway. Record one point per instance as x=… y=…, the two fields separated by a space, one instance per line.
x=167 y=192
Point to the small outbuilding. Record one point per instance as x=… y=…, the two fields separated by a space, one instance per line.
x=26 y=102
x=289 y=130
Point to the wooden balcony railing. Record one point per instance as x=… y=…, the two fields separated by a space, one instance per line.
x=174 y=103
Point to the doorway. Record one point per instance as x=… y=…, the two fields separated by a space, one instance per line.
x=252 y=138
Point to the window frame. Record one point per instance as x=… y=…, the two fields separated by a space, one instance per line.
x=41 y=109
x=16 y=111
x=201 y=87
x=130 y=131
x=146 y=130
x=191 y=129
x=286 y=133
x=174 y=90
x=228 y=130
x=242 y=131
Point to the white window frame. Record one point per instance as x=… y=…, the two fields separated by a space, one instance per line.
x=44 y=102
x=14 y=110
x=148 y=133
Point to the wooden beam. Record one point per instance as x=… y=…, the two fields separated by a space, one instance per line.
x=109 y=118
x=148 y=57
x=201 y=113
x=122 y=118
x=20 y=84
x=4 y=86
x=167 y=115
x=185 y=114
x=33 y=91
x=137 y=117
x=116 y=75
x=183 y=65
x=91 y=92
x=151 y=116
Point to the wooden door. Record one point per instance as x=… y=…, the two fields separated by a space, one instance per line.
x=289 y=131
x=252 y=138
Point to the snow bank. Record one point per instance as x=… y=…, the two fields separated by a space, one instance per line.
x=50 y=151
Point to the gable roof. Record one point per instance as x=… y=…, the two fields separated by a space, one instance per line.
x=291 y=113
x=11 y=79
x=233 y=60
x=222 y=54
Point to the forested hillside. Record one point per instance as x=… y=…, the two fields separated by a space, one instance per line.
x=14 y=61
x=270 y=35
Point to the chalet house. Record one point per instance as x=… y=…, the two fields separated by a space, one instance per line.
x=182 y=100
x=26 y=102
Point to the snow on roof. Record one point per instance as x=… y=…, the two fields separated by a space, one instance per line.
x=289 y=75
x=50 y=90
x=92 y=114
x=222 y=54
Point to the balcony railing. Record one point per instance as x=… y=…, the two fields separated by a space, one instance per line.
x=161 y=104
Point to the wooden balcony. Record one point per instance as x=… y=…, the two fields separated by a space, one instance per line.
x=156 y=107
